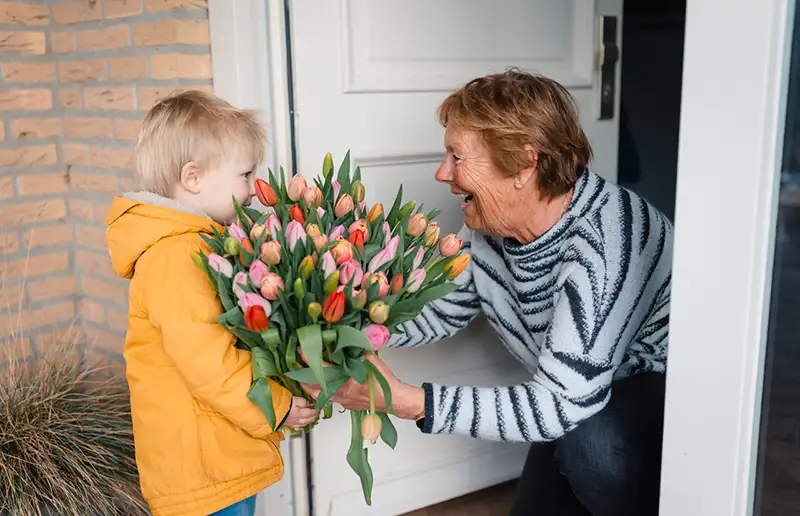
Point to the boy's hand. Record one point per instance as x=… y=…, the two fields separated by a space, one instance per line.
x=302 y=413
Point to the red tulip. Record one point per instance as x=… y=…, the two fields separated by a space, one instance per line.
x=357 y=239
x=266 y=195
x=333 y=308
x=248 y=247
x=296 y=212
x=255 y=318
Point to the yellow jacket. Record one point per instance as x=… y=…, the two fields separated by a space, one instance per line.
x=201 y=444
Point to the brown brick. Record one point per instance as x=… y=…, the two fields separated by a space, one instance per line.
x=31 y=266
x=127 y=184
x=22 y=14
x=91 y=236
x=115 y=291
x=110 y=38
x=42 y=184
x=110 y=99
x=51 y=343
x=94 y=262
x=27 y=43
x=172 y=32
x=70 y=98
x=16 y=349
x=99 y=183
x=15 y=71
x=2 y=132
x=149 y=95
x=166 y=5
x=26 y=100
x=122 y=8
x=29 y=212
x=11 y=297
x=63 y=42
x=92 y=311
x=52 y=288
x=39 y=318
x=117 y=319
x=127 y=128
x=180 y=66
x=44 y=236
x=36 y=127
x=101 y=209
x=76 y=12
x=127 y=68
x=6 y=187
x=28 y=156
x=87 y=127
x=104 y=157
x=81 y=209
x=106 y=340
x=82 y=71
x=9 y=243
x=76 y=154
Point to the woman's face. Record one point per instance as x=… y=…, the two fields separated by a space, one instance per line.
x=490 y=200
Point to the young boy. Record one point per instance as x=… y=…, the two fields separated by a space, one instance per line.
x=201 y=446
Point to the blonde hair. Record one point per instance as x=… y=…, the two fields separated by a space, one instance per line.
x=512 y=109
x=193 y=126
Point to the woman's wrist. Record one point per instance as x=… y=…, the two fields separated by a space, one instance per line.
x=408 y=401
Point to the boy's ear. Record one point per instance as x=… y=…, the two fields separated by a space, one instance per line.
x=191 y=174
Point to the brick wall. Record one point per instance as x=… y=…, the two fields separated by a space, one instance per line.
x=76 y=78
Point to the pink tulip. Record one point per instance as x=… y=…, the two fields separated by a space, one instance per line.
x=449 y=246
x=328 y=264
x=336 y=233
x=385 y=255
x=336 y=189
x=312 y=195
x=351 y=270
x=239 y=280
x=273 y=224
x=415 y=280
x=271 y=252
x=379 y=278
x=294 y=234
x=219 y=264
x=258 y=270
x=251 y=299
x=361 y=209
x=343 y=206
x=342 y=252
x=377 y=335
x=320 y=212
x=296 y=187
x=320 y=241
x=387 y=233
x=236 y=232
x=270 y=285
x=418 y=258
x=417 y=225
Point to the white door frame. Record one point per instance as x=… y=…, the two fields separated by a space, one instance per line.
x=732 y=118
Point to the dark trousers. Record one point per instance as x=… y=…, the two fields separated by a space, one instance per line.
x=609 y=465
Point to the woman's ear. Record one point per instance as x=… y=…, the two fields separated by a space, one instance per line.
x=526 y=175
x=191 y=175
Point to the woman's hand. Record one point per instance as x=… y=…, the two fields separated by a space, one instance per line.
x=407 y=401
x=301 y=414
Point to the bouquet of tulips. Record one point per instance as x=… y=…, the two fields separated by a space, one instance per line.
x=320 y=273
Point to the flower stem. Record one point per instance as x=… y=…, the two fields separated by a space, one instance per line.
x=433 y=262
x=371 y=393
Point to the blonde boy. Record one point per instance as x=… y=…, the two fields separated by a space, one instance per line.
x=201 y=446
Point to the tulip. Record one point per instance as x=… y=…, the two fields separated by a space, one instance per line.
x=236 y=232
x=343 y=206
x=313 y=230
x=457 y=265
x=375 y=212
x=220 y=265
x=231 y=246
x=359 y=298
x=273 y=224
x=239 y=280
x=294 y=234
x=296 y=212
x=357 y=191
x=371 y=428
x=417 y=225
x=378 y=312
x=351 y=270
x=336 y=233
x=357 y=239
x=299 y=288
x=314 y=310
x=252 y=299
x=331 y=282
x=385 y=255
x=327 y=165
x=397 y=283
x=271 y=252
x=296 y=187
x=380 y=279
x=328 y=264
x=257 y=271
x=359 y=226
x=415 y=280
x=271 y=283
x=319 y=242
x=449 y=246
x=418 y=258
x=342 y=252
x=257 y=231
x=387 y=233
x=312 y=196
x=432 y=234
x=197 y=259
x=377 y=335
x=256 y=319
x=320 y=212
x=246 y=252
x=336 y=189
x=266 y=195
x=306 y=267
x=333 y=307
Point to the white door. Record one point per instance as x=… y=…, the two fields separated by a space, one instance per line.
x=368 y=76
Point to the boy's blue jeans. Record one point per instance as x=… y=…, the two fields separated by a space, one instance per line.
x=244 y=508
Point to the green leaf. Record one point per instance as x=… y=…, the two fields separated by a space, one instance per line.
x=333 y=386
x=387 y=391
x=224 y=291
x=343 y=176
x=356 y=368
x=388 y=431
x=232 y=317
x=310 y=338
x=357 y=456
x=253 y=214
x=243 y=220
x=291 y=353
x=250 y=338
x=263 y=363
x=350 y=337
x=208 y=271
x=370 y=250
x=260 y=394
x=306 y=375
x=214 y=244
x=392 y=216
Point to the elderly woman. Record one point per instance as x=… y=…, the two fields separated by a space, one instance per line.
x=573 y=273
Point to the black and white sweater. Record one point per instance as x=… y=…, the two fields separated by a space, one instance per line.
x=583 y=305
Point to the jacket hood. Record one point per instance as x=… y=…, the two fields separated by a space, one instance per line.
x=139 y=220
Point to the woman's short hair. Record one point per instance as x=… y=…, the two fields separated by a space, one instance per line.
x=515 y=108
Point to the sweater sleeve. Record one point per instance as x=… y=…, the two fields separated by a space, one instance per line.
x=579 y=356
x=447 y=315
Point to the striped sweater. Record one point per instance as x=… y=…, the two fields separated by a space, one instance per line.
x=583 y=305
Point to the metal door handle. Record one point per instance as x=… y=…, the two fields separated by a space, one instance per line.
x=609 y=57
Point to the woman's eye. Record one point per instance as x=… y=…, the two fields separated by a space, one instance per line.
x=456 y=159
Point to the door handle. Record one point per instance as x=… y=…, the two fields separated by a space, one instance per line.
x=609 y=57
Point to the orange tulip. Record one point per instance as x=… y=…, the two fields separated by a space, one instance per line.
x=255 y=319
x=266 y=195
x=457 y=265
x=248 y=247
x=296 y=212
x=333 y=308
x=375 y=212
x=371 y=428
x=396 y=283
